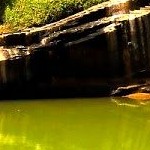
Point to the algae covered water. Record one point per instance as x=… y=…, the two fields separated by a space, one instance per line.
x=74 y=124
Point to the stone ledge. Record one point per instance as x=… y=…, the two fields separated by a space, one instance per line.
x=33 y=35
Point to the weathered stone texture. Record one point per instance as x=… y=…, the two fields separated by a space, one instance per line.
x=106 y=41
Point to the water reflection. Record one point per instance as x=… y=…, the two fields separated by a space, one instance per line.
x=74 y=124
x=129 y=102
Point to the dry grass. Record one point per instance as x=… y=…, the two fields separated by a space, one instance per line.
x=5 y=29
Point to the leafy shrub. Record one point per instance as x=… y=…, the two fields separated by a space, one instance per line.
x=28 y=13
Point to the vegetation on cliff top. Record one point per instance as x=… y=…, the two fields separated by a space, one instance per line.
x=20 y=14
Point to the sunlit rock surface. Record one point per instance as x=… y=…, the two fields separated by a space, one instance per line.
x=139 y=96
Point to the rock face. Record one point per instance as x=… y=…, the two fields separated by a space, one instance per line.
x=82 y=54
x=126 y=90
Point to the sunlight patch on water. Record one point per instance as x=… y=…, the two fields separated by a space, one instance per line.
x=12 y=140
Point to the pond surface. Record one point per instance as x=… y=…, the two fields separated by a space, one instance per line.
x=74 y=124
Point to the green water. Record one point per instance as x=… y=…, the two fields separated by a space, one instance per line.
x=74 y=124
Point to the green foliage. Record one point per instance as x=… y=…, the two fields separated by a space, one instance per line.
x=3 y=5
x=27 y=13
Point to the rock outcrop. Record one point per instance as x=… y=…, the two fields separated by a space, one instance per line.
x=89 y=50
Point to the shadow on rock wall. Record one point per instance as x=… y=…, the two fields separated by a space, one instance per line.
x=142 y=3
x=3 y=6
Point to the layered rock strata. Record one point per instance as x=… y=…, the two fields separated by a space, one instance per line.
x=89 y=50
